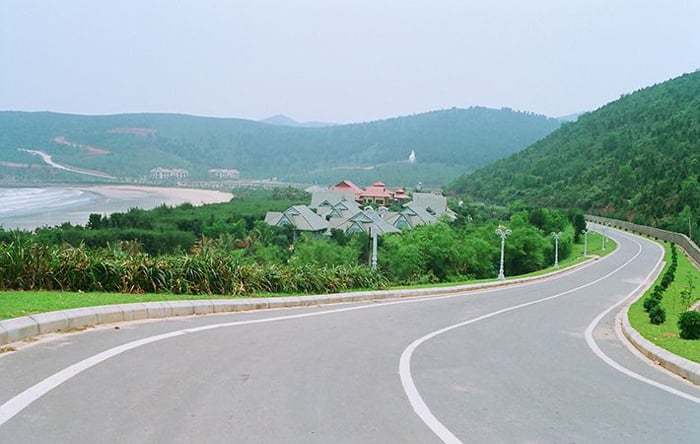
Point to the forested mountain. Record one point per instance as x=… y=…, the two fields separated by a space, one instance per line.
x=637 y=158
x=447 y=143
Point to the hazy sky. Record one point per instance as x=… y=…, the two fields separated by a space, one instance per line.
x=338 y=61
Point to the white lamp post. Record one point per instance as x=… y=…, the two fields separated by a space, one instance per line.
x=605 y=237
x=585 y=242
x=373 y=233
x=374 y=246
x=556 y=237
x=503 y=232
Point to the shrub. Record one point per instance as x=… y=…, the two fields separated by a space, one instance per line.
x=650 y=302
x=689 y=325
x=657 y=315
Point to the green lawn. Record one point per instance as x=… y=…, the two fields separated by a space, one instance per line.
x=22 y=303
x=666 y=334
x=14 y=304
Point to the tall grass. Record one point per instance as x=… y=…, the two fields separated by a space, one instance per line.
x=210 y=269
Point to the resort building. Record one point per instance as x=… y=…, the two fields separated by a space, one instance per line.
x=299 y=216
x=165 y=173
x=221 y=173
x=347 y=187
x=343 y=208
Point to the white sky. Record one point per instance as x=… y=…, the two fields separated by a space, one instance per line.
x=338 y=61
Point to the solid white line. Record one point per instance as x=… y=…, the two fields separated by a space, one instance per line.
x=414 y=397
x=594 y=347
x=19 y=402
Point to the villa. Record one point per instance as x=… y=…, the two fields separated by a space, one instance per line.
x=347 y=207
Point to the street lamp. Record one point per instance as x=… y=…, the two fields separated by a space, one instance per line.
x=503 y=232
x=605 y=237
x=373 y=228
x=585 y=242
x=556 y=237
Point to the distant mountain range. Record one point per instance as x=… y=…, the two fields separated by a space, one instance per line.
x=447 y=143
x=282 y=120
x=637 y=158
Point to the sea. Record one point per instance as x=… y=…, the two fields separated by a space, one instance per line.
x=30 y=208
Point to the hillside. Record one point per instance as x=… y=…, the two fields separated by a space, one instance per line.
x=282 y=120
x=447 y=143
x=637 y=158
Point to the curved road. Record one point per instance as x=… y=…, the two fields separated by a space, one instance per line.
x=48 y=159
x=514 y=364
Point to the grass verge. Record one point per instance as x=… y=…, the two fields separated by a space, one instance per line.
x=666 y=335
x=15 y=304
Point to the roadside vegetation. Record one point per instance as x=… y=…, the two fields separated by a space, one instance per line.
x=232 y=252
x=22 y=303
x=680 y=293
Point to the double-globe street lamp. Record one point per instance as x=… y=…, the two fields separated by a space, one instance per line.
x=503 y=232
x=556 y=237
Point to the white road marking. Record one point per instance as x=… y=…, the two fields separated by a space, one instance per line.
x=594 y=347
x=439 y=429
x=21 y=401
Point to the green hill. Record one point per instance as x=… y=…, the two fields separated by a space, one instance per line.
x=637 y=158
x=447 y=143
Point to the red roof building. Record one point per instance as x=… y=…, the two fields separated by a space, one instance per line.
x=347 y=186
x=376 y=194
x=400 y=195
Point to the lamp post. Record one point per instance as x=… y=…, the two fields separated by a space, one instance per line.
x=374 y=246
x=605 y=237
x=585 y=242
x=373 y=234
x=503 y=232
x=556 y=237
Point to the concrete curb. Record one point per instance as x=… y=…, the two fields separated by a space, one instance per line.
x=27 y=327
x=682 y=367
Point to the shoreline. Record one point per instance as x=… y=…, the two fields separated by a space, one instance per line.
x=173 y=195
x=106 y=199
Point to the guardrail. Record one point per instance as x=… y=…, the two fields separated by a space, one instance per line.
x=677 y=238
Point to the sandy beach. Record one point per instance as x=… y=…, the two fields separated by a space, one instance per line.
x=101 y=199
x=167 y=195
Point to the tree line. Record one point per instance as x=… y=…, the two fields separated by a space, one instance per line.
x=229 y=249
x=635 y=159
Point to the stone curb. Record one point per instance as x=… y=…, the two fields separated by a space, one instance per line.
x=682 y=367
x=27 y=327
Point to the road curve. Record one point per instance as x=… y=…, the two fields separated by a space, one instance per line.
x=504 y=365
x=48 y=159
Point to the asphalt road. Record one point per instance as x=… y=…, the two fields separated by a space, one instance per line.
x=506 y=365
